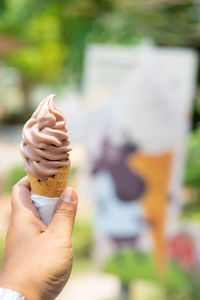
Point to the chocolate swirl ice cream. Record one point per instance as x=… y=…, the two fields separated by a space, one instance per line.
x=45 y=144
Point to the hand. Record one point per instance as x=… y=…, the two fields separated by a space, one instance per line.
x=38 y=259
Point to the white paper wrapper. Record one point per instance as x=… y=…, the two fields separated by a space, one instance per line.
x=45 y=205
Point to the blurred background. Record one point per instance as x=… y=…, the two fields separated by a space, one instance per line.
x=126 y=77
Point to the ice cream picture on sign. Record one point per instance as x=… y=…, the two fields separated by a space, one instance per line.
x=45 y=148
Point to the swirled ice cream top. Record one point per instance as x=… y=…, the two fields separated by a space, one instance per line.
x=45 y=143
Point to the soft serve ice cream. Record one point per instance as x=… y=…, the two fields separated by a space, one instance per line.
x=45 y=148
x=45 y=143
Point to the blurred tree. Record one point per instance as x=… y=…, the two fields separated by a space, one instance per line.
x=56 y=32
x=2 y=6
x=126 y=265
x=168 y=22
x=192 y=174
x=192 y=178
x=41 y=57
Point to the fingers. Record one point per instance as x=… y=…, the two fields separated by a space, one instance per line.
x=62 y=222
x=21 y=199
x=21 y=195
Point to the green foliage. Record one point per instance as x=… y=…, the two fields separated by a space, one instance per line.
x=130 y=265
x=15 y=174
x=55 y=33
x=82 y=239
x=191 y=211
x=192 y=173
x=2 y=246
x=192 y=178
x=73 y=171
x=41 y=57
x=17 y=117
x=2 y=6
x=82 y=244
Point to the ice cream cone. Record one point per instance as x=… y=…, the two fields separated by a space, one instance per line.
x=53 y=186
x=45 y=148
x=155 y=169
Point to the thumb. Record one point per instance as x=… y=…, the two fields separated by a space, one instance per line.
x=62 y=222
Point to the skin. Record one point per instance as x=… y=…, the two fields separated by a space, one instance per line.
x=38 y=259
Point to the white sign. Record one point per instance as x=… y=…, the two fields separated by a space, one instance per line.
x=141 y=99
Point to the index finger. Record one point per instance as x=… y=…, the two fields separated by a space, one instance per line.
x=21 y=197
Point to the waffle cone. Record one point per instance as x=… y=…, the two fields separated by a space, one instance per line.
x=53 y=186
x=155 y=169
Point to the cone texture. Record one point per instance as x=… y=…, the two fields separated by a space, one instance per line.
x=53 y=186
x=156 y=170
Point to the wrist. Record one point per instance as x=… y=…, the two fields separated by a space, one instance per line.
x=9 y=294
x=24 y=288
